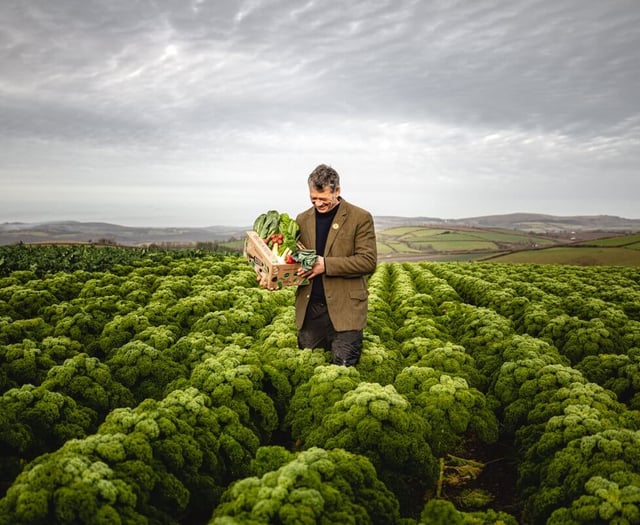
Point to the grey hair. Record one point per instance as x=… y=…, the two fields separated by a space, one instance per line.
x=324 y=177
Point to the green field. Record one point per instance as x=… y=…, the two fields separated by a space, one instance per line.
x=144 y=387
x=458 y=245
x=413 y=243
x=628 y=241
x=448 y=244
x=575 y=255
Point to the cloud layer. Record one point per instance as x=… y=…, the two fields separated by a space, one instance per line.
x=210 y=112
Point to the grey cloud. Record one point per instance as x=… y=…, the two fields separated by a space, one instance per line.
x=515 y=92
x=533 y=63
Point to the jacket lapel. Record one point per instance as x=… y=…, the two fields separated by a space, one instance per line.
x=336 y=225
x=309 y=226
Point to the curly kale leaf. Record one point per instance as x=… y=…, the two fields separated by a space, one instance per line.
x=316 y=486
x=238 y=385
x=449 y=408
x=605 y=501
x=70 y=487
x=609 y=453
x=379 y=423
x=311 y=400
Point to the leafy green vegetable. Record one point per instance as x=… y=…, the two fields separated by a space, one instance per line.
x=279 y=228
x=316 y=486
x=306 y=258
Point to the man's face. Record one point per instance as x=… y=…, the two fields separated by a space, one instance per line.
x=324 y=200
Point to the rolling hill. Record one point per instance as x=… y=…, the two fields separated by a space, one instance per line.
x=73 y=231
x=529 y=222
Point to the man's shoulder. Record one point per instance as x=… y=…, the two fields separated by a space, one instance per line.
x=306 y=213
x=352 y=208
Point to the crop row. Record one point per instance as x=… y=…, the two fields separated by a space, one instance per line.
x=172 y=391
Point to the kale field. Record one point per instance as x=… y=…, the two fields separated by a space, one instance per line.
x=144 y=387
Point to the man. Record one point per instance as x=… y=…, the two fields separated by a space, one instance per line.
x=331 y=311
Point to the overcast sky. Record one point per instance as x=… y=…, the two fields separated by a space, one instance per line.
x=210 y=112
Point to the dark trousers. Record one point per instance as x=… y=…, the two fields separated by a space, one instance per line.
x=317 y=332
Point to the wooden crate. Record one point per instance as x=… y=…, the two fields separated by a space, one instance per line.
x=265 y=264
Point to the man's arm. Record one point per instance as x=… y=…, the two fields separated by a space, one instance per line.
x=363 y=257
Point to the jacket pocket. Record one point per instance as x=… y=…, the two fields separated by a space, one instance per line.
x=359 y=295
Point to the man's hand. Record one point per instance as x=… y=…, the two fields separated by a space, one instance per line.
x=264 y=283
x=317 y=269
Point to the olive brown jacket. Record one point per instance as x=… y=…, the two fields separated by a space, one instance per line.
x=350 y=256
